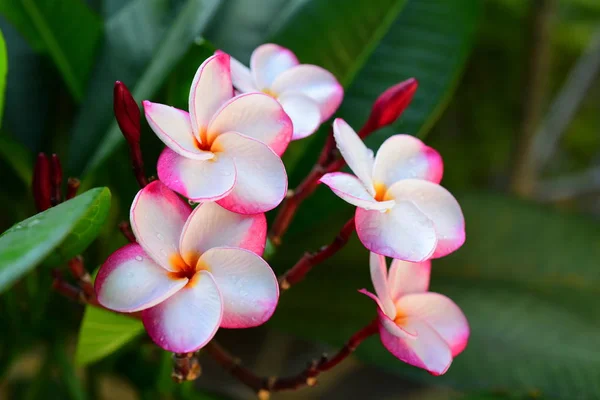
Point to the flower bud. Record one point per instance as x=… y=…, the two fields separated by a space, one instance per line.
x=390 y=105
x=41 y=183
x=127 y=112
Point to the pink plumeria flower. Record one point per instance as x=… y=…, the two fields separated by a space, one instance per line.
x=191 y=272
x=226 y=149
x=309 y=94
x=421 y=328
x=402 y=210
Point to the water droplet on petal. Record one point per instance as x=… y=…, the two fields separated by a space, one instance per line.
x=160 y=237
x=139 y=258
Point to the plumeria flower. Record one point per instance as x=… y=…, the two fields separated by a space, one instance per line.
x=309 y=94
x=226 y=149
x=402 y=210
x=190 y=272
x=421 y=328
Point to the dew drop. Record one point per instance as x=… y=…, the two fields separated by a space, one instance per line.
x=33 y=223
x=163 y=252
x=160 y=237
x=139 y=258
x=243 y=293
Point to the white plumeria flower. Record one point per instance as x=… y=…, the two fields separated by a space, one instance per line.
x=191 y=272
x=309 y=94
x=402 y=210
x=421 y=328
x=226 y=149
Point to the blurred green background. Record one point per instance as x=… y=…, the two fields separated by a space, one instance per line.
x=509 y=93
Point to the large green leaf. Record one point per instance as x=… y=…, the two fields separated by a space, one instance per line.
x=56 y=234
x=66 y=29
x=144 y=41
x=3 y=72
x=527 y=279
x=102 y=332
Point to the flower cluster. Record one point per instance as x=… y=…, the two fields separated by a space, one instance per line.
x=193 y=270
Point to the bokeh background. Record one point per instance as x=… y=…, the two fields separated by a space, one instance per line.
x=510 y=96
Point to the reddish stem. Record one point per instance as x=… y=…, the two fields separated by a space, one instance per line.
x=42 y=186
x=56 y=180
x=125 y=229
x=310 y=260
x=307 y=377
x=137 y=163
x=186 y=367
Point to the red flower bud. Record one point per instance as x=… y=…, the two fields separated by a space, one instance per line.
x=41 y=183
x=127 y=112
x=390 y=105
x=55 y=180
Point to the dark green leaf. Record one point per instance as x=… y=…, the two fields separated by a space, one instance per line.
x=144 y=41
x=66 y=29
x=3 y=72
x=17 y=157
x=56 y=234
x=103 y=332
x=527 y=279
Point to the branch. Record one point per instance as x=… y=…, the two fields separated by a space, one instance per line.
x=542 y=12
x=263 y=386
x=565 y=105
x=310 y=260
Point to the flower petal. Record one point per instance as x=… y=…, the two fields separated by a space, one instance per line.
x=304 y=113
x=314 y=82
x=354 y=151
x=211 y=88
x=173 y=127
x=402 y=232
x=408 y=277
x=189 y=319
x=268 y=62
x=378 y=269
x=198 y=180
x=157 y=219
x=241 y=77
x=247 y=284
x=131 y=281
x=439 y=206
x=427 y=350
x=350 y=189
x=441 y=314
x=405 y=157
x=261 y=179
x=210 y=225
x=255 y=115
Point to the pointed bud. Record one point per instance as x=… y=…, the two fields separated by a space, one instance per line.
x=389 y=106
x=126 y=112
x=42 y=186
x=55 y=180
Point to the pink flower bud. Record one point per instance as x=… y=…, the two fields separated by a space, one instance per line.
x=127 y=112
x=41 y=183
x=390 y=105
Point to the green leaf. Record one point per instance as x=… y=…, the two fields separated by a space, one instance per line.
x=144 y=41
x=431 y=41
x=56 y=235
x=527 y=279
x=66 y=29
x=103 y=332
x=18 y=157
x=3 y=72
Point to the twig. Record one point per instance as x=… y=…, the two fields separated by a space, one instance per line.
x=567 y=187
x=308 y=377
x=125 y=229
x=565 y=105
x=542 y=12
x=309 y=260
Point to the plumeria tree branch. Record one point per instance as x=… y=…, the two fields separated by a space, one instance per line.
x=386 y=110
x=310 y=260
x=263 y=386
